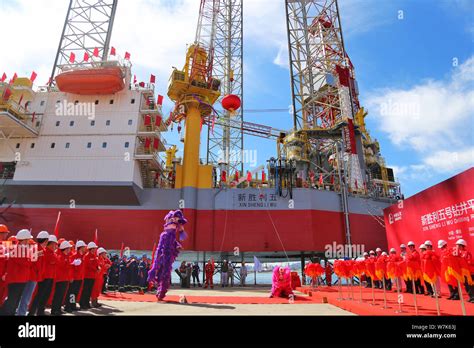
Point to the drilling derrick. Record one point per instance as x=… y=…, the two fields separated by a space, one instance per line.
x=195 y=90
x=225 y=142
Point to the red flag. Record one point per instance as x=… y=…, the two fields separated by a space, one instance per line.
x=15 y=76
x=7 y=94
x=321 y=179
x=4 y=77
x=147 y=143
x=96 y=237
x=264 y=176
x=72 y=58
x=33 y=76
x=112 y=51
x=158 y=121
x=332 y=179
x=249 y=176
x=152 y=78
x=160 y=100
x=96 y=52
x=21 y=99
x=156 y=143
x=86 y=57
x=237 y=176
x=56 y=228
x=224 y=176
x=121 y=250
x=153 y=253
x=127 y=56
x=134 y=79
x=33 y=117
x=147 y=120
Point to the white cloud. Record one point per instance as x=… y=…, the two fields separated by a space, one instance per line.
x=450 y=161
x=430 y=117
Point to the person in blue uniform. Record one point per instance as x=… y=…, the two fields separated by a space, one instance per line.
x=114 y=272
x=133 y=273
x=142 y=275
x=123 y=270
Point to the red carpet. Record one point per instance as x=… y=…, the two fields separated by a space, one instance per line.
x=426 y=304
x=132 y=297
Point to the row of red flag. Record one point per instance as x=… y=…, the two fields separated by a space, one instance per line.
x=237 y=176
x=113 y=52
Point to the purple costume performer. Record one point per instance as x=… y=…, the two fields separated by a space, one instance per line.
x=167 y=251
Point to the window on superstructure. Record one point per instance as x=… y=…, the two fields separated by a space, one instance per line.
x=133 y=101
x=107 y=123
x=18 y=145
x=32 y=146
x=38 y=124
x=89 y=145
x=71 y=124
x=53 y=145
x=96 y=102
x=68 y=145
x=58 y=123
x=92 y=123
x=111 y=101
x=104 y=145
x=127 y=145
x=76 y=102
x=42 y=103
x=130 y=122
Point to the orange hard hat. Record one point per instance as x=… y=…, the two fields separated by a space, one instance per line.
x=72 y=242
x=31 y=241
x=12 y=239
x=4 y=229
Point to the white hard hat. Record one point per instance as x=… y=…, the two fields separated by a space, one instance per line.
x=52 y=238
x=442 y=243
x=423 y=246
x=461 y=242
x=80 y=244
x=378 y=249
x=24 y=235
x=91 y=245
x=384 y=254
x=43 y=235
x=101 y=250
x=402 y=246
x=393 y=250
x=371 y=252
x=65 y=245
x=410 y=243
x=366 y=254
x=428 y=242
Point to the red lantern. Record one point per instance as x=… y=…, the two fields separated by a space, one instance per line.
x=231 y=103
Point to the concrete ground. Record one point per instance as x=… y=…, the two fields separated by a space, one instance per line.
x=116 y=308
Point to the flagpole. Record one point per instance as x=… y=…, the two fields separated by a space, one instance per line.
x=414 y=294
x=436 y=297
x=384 y=293
x=463 y=307
x=399 y=299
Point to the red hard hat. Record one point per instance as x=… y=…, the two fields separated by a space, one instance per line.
x=4 y=229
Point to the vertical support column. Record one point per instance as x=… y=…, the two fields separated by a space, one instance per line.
x=302 y=268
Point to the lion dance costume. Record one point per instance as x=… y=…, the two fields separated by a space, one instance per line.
x=281 y=282
x=167 y=252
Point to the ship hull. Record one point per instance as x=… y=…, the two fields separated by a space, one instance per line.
x=219 y=221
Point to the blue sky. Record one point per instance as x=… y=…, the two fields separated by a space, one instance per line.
x=425 y=59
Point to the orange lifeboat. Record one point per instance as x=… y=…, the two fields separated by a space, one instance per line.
x=108 y=80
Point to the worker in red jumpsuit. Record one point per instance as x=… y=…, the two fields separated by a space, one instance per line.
x=62 y=278
x=91 y=268
x=209 y=274
x=328 y=270
x=104 y=265
x=17 y=273
x=461 y=250
x=77 y=266
x=45 y=286
x=414 y=256
x=3 y=262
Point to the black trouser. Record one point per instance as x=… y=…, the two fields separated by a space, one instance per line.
x=42 y=295
x=58 y=298
x=369 y=282
x=429 y=288
x=86 y=292
x=453 y=292
x=388 y=284
x=409 y=285
x=72 y=293
x=418 y=287
x=196 y=278
x=15 y=290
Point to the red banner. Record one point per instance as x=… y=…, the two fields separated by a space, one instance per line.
x=444 y=211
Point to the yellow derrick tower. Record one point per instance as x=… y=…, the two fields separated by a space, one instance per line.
x=194 y=91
